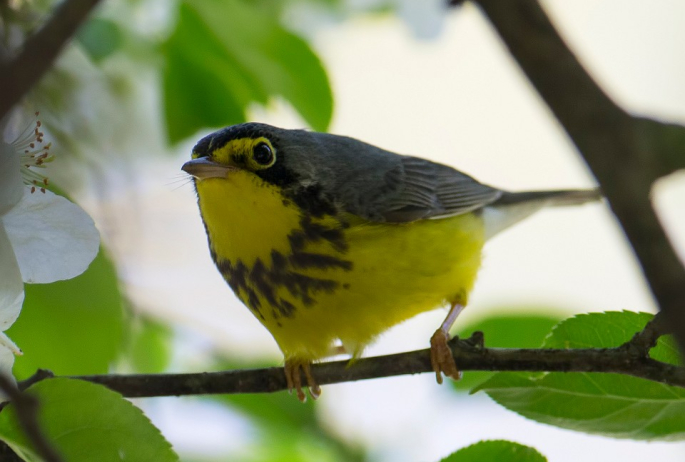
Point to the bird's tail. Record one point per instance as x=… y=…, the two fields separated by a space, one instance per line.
x=513 y=207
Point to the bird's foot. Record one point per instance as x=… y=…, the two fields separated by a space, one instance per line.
x=293 y=376
x=442 y=360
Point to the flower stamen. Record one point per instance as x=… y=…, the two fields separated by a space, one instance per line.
x=33 y=153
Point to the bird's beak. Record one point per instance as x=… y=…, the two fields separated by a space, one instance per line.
x=204 y=168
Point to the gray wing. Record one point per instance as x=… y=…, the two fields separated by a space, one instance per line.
x=382 y=186
x=430 y=190
x=413 y=189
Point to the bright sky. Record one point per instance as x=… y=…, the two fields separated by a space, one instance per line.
x=460 y=100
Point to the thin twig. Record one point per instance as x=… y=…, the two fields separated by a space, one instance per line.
x=40 y=374
x=26 y=407
x=469 y=354
x=39 y=52
x=625 y=153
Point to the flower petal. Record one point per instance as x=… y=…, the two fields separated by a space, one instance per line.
x=11 y=287
x=53 y=238
x=11 y=184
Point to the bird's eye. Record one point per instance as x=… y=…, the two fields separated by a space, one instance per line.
x=262 y=154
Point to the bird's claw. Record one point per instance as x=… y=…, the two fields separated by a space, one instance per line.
x=442 y=360
x=293 y=376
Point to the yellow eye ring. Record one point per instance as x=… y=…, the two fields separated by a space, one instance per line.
x=263 y=154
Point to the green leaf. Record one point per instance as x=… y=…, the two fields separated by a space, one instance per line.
x=99 y=38
x=199 y=90
x=270 y=409
x=607 y=330
x=287 y=426
x=150 y=347
x=284 y=445
x=291 y=431
x=277 y=409
x=496 y=450
x=224 y=55
x=607 y=404
x=71 y=327
x=87 y=422
x=506 y=330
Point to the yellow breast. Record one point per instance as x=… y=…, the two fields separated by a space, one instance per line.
x=314 y=280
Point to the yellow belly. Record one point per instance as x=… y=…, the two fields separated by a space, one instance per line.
x=313 y=281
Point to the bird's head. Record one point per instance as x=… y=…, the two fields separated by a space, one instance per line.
x=257 y=148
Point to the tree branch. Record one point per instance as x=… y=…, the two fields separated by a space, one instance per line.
x=469 y=354
x=26 y=407
x=646 y=339
x=39 y=52
x=625 y=153
x=667 y=141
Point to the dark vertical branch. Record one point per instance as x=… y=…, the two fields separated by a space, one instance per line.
x=622 y=151
x=39 y=52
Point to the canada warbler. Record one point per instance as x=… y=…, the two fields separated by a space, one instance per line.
x=326 y=238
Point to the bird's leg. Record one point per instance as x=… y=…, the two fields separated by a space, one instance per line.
x=293 y=369
x=442 y=360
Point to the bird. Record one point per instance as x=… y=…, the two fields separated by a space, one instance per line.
x=330 y=241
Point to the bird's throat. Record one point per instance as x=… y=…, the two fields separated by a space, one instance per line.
x=246 y=218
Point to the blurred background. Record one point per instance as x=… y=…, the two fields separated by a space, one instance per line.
x=123 y=110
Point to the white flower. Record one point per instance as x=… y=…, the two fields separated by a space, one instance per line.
x=43 y=236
